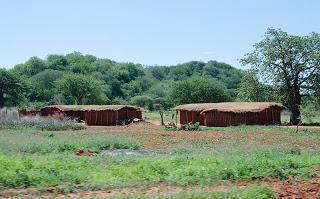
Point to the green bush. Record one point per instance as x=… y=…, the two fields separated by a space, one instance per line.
x=191 y=127
x=198 y=90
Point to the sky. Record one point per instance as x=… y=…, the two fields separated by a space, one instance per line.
x=149 y=32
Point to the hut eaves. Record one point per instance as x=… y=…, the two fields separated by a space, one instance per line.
x=92 y=107
x=236 y=107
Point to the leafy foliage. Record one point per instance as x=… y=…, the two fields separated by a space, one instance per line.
x=86 y=79
x=289 y=62
x=198 y=90
x=82 y=89
x=143 y=101
x=252 y=90
x=12 y=88
x=43 y=85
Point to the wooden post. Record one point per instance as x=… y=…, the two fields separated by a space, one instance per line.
x=161 y=116
x=176 y=118
x=96 y=119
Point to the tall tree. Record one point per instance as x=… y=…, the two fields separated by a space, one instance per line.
x=12 y=88
x=82 y=89
x=288 y=61
x=198 y=90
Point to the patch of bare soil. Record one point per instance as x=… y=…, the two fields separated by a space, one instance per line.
x=292 y=188
x=80 y=152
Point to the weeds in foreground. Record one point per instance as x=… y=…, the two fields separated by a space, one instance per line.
x=251 y=192
x=31 y=142
x=182 y=169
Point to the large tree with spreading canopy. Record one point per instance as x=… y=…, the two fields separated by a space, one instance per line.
x=289 y=62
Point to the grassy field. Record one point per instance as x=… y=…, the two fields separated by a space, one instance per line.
x=207 y=164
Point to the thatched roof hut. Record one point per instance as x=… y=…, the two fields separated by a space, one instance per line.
x=231 y=113
x=95 y=114
x=92 y=107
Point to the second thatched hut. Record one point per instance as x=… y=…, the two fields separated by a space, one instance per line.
x=231 y=113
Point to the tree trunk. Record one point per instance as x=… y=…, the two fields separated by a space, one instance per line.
x=1 y=100
x=295 y=118
x=295 y=115
x=161 y=116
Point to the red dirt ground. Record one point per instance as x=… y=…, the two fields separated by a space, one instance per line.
x=151 y=136
x=292 y=188
x=81 y=152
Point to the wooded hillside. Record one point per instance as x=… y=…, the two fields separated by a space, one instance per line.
x=85 y=79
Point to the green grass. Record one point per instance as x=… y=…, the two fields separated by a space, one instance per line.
x=285 y=118
x=255 y=128
x=31 y=141
x=251 y=192
x=181 y=168
x=206 y=169
x=34 y=158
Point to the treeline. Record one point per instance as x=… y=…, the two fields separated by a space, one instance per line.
x=287 y=65
x=85 y=79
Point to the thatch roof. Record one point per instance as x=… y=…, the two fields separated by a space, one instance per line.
x=92 y=107
x=229 y=106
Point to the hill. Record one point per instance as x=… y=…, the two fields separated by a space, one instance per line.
x=120 y=82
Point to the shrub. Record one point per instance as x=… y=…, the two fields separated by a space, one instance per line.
x=198 y=90
x=191 y=127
